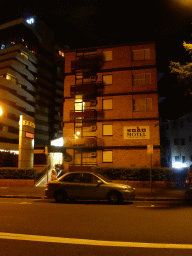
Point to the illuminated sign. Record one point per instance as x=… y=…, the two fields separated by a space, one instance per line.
x=28 y=123
x=136 y=132
x=29 y=135
x=30 y=21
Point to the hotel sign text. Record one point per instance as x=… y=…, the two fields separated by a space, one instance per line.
x=136 y=132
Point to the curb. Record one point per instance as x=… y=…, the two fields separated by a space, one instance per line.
x=136 y=199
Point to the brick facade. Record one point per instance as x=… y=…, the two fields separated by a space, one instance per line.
x=122 y=113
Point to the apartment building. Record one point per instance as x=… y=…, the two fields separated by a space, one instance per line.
x=111 y=106
x=176 y=142
x=31 y=81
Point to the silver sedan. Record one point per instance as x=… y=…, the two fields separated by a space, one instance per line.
x=88 y=186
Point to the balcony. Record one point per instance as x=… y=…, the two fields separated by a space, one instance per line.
x=85 y=89
x=93 y=62
x=85 y=114
x=81 y=142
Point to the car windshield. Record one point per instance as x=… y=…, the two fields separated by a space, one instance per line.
x=102 y=177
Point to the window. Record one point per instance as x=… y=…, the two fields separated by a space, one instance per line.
x=61 y=53
x=107 y=156
x=85 y=54
x=107 y=55
x=143 y=54
x=176 y=158
x=182 y=141
x=107 y=104
x=89 y=178
x=141 y=79
x=2 y=46
x=183 y=159
x=107 y=129
x=79 y=104
x=72 y=177
x=107 y=79
x=176 y=141
x=142 y=104
x=12 y=78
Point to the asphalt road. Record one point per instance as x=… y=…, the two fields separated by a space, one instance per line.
x=42 y=227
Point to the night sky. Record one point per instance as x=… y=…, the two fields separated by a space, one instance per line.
x=101 y=22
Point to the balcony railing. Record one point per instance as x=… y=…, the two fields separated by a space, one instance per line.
x=81 y=142
x=88 y=113
x=86 y=89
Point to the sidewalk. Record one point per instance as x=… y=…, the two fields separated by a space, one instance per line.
x=142 y=194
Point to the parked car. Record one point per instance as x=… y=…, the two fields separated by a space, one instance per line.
x=88 y=186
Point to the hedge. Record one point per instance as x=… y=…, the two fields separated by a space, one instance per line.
x=143 y=174
x=16 y=173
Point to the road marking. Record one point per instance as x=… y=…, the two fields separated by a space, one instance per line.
x=14 y=203
x=62 y=240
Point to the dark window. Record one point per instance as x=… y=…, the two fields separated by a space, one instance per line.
x=176 y=158
x=72 y=177
x=183 y=159
x=182 y=141
x=89 y=178
x=176 y=141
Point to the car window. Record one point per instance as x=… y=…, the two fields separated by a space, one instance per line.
x=89 y=178
x=72 y=177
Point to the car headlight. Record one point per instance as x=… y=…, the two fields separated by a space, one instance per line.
x=128 y=187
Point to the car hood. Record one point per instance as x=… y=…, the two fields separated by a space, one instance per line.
x=118 y=185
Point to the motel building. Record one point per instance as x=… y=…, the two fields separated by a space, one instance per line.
x=111 y=106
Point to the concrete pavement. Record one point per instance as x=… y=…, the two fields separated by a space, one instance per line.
x=142 y=194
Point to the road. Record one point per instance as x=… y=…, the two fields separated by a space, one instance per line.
x=42 y=227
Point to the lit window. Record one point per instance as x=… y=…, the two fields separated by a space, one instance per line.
x=143 y=54
x=9 y=77
x=107 y=156
x=107 y=129
x=107 y=79
x=79 y=105
x=141 y=79
x=142 y=104
x=107 y=55
x=61 y=53
x=2 y=46
x=107 y=104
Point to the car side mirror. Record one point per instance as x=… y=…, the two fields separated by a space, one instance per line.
x=99 y=182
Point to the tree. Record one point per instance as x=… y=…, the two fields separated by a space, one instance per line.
x=184 y=76
x=184 y=72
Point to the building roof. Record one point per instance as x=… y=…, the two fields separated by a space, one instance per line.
x=110 y=46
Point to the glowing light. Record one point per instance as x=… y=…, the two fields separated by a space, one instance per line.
x=1 y=111
x=78 y=133
x=30 y=21
x=179 y=165
x=58 y=142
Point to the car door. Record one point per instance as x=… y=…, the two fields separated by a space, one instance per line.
x=73 y=185
x=92 y=189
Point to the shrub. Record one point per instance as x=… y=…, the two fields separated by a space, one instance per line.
x=8 y=159
x=142 y=174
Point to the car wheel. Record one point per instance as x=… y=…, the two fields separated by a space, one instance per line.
x=114 y=197
x=60 y=196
